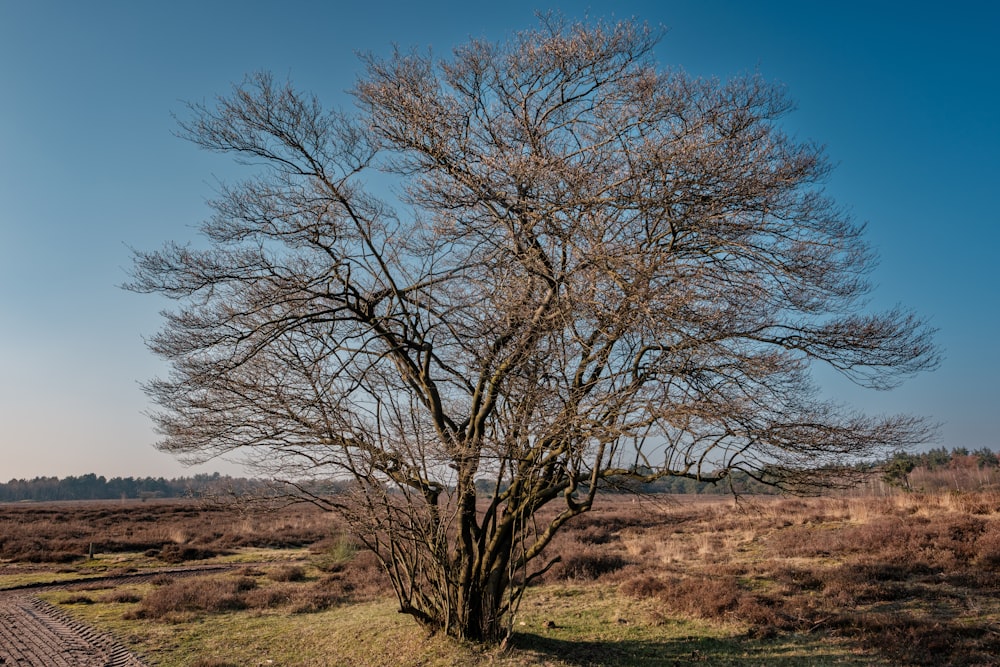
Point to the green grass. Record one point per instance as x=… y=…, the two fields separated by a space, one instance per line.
x=21 y=574
x=27 y=578
x=361 y=634
x=558 y=626
x=597 y=626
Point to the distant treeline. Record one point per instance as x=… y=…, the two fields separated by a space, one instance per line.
x=94 y=487
x=934 y=470
x=737 y=481
x=940 y=469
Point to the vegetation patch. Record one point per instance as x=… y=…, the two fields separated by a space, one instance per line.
x=901 y=580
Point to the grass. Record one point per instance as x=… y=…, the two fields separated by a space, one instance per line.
x=907 y=580
x=22 y=574
x=14 y=575
x=593 y=625
x=369 y=633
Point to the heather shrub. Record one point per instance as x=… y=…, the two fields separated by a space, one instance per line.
x=176 y=553
x=795 y=580
x=589 y=564
x=269 y=597
x=854 y=584
x=762 y=614
x=613 y=518
x=702 y=597
x=195 y=594
x=42 y=555
x=594 y=534
x=315 y=599
x=643 y=586
x=912 y=640
x=287 y=573
x=362 y=579
x=121 y=597
x=987 y=548
x=63 y=533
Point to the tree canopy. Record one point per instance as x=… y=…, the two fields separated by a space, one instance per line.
x=547 y=263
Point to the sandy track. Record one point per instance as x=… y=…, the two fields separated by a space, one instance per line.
x=34 y=633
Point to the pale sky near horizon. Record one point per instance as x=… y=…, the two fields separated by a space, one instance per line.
x=905 y=97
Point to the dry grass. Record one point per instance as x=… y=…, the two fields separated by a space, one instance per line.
x=913 y=579
x=908 y=579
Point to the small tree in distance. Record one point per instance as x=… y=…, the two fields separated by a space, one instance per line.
x=584 y=269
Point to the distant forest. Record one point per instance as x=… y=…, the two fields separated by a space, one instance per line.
x=94 y=487
x=939 y=469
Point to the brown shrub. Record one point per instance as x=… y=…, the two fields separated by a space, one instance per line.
x=643 y=586
x=795 y=580
x=613 y=517
x=315 y=599
x=589 y=564
x=987 y=548
x=722 y=597
x=764 y=616
x=805 y=541
x=268 y=597
x=702 y=597
x=176 y=553
x=912 y=640
x=851 y=585
x=594 y=535
x=287 y=573
x=361 y=580
x=918 y=544
x=38 y=555
x=123 y=597
x=195 y=594
x=63 y=532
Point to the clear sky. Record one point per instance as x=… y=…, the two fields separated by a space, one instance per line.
x=904 y=95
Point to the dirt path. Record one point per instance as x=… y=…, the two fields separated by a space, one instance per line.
x=34 y=633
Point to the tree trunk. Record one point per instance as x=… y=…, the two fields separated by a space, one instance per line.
x=481 y=613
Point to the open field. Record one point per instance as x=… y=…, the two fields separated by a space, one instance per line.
x=909 y=579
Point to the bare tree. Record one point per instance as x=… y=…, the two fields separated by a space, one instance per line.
x=544 y=263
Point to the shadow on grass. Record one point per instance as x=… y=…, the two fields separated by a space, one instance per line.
x=686 y=651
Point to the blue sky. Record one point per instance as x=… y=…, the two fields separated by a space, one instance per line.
x=905 y=97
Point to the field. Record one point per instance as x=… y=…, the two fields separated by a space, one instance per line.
x=899 y=580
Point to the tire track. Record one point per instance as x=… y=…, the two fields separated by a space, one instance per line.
x=34 y=633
